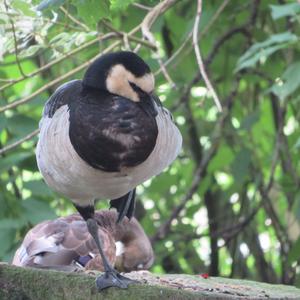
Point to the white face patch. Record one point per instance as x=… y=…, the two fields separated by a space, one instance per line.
x=117 y=82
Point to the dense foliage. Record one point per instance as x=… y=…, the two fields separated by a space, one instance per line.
x=230 y=204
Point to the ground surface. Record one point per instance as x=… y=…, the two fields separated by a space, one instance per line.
x=31 y=284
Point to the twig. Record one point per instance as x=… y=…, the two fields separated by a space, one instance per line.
x=56 y=81
x=206 y=158
x=19 y=142
x=243 y=29
x=151 y=17
x=214 y=17
x=126 y=42
x=12 y=177
x=129 y=37
x=274 y=163
x=15 y=15
x=229 y=232
x=5 y=80
x=63 y=77
x=240 y=29
x=137 y=48
x=199 y=58
x=58 y=60
x=186 y=93
x=175 y=54
x=146 y=25
x=15 y=42
x=226 y=36
x=198 y=175
x=189 y=36
x=141 y=6
x=86 y=45
x=165 y=73
x=74 y=19
x=163 y=229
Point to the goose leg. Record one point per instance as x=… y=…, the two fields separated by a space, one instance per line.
x=125 y=205
x=110 y=278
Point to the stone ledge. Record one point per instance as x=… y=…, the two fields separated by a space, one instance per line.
x=32 y=284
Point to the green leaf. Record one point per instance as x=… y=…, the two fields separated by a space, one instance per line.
x=92 y=11
x=6 y=224
x=60 y=38
x=289 y=82
x=279 y=11
x=38 y=188
x=262 y=50
x=240 y=165
x=2 y=122
x=4 y=19
x=250 y=120
x=273 y=39
x=36 y=211
x=50 y=4
x=13 y=160
x=7 y=238
x=297 y=144
x=21 y=125
x=223 y=158
x=120 y=5
x=23 y=7
x=294 y=253
x=296 y=205
x=30 y=51
x=260 y=56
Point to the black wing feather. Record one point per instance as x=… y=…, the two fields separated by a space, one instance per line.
x=110 y=132
x=63 y=95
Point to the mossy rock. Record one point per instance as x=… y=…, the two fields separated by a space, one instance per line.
x=33 y=284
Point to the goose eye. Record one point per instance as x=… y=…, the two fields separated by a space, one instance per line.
x=41 y=253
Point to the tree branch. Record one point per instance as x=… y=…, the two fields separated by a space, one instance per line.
x=199 y=58
x=130 y=37
x=19 y=142
x=15 y=42
x=148 y=21
x=63 y=77
x=58 y=60
x=86 y=28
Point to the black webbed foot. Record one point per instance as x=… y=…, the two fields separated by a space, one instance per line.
x=125 y=205
x=113 y=279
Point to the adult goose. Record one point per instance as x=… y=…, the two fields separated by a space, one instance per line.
x=66 y=244
x=102 y=136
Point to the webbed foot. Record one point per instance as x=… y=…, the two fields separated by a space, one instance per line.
x=113 y=279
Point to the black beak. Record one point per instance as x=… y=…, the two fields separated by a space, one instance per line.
x=148 y=103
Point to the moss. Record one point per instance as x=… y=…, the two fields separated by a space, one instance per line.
x=31 y=284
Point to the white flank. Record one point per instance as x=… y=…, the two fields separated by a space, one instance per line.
x=68 y=174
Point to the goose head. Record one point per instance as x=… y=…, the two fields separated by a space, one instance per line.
x=124 y=74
